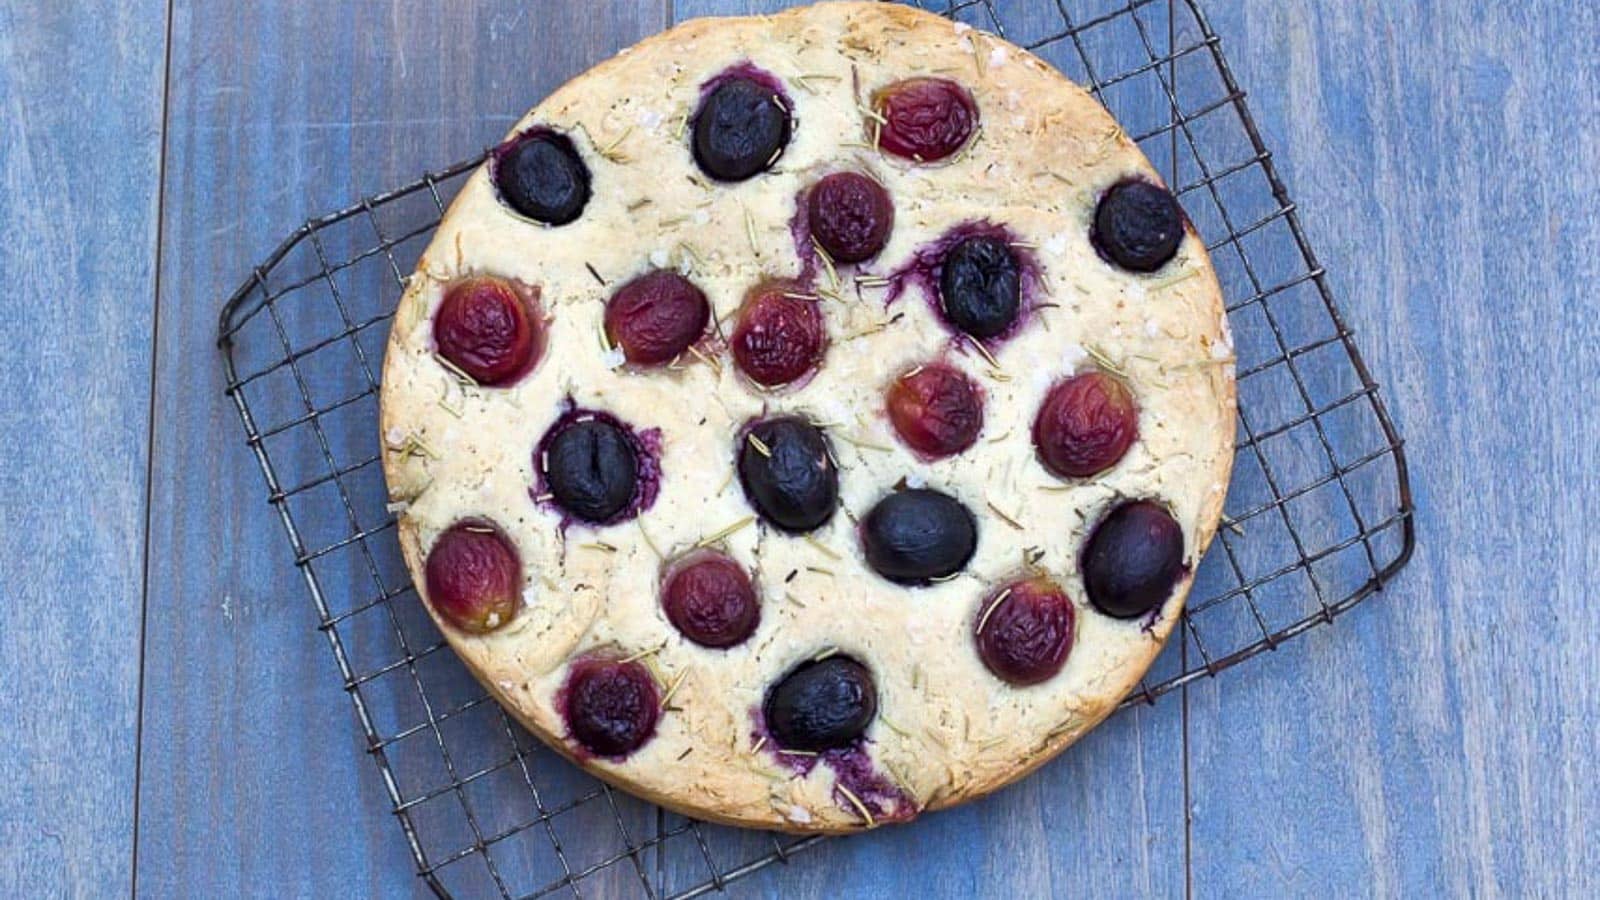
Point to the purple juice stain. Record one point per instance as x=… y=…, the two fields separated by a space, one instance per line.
x=925 y=270
x=852 y=768
x=748 y=71
x=646 y=447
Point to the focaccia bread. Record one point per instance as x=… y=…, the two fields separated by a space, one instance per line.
x=809 y=420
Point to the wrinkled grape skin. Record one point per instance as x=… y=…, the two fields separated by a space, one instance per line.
x=611 y=707
x=1132 y=560
x=936 y=410
x=916 y=536
x=980 y=286
x=850 y=215
x=540 y=175
x=778 y=338
x=488 y=329
x=1025 y=636
x=592 y=470
x=926 y=119
x=656 y=317
x=474 y=577
x=822 y=705
x=739 y=129
x=1085 y=425
x=1138 y=226
x=793 y=485
x=710 y=600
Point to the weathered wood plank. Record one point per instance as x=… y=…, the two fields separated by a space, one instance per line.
x=80 y=145
x=1440 y=739
x=254 y=774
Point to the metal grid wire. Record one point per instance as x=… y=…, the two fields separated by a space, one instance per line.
x=1319 y=513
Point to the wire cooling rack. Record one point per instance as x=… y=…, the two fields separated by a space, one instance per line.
x=1319 y=513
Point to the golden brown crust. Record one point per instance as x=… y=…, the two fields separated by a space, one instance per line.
x=1045 y=152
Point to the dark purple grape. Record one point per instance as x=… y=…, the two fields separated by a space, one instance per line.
x=739 y=130
x=1085 y=425
x=1138 y=226
x=919 y=535
x=656 y=317
x=821 y=705
x=1132 y=560
x=710 y=600
x=925 y=119
x=980 y=286
x=488 y=329
x=788 y=475
x=591 y=469
x=850 y=215
x=540 y=175
x=1024 y=632
x=474 y=577
x=611 y=707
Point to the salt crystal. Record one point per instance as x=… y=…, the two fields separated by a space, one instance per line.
x=659 y=258
x=613 y=358
x=649 y=119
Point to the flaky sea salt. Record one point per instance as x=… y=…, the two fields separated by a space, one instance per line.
x=614 y=358
x=1072 y=355
x=659 y=258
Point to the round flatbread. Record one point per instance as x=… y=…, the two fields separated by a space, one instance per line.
x=775 y=538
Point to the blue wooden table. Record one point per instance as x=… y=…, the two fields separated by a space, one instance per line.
x=173 y=723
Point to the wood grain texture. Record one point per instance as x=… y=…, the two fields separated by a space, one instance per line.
x=255 y=778
x=1440 y=740
x=78 y=194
